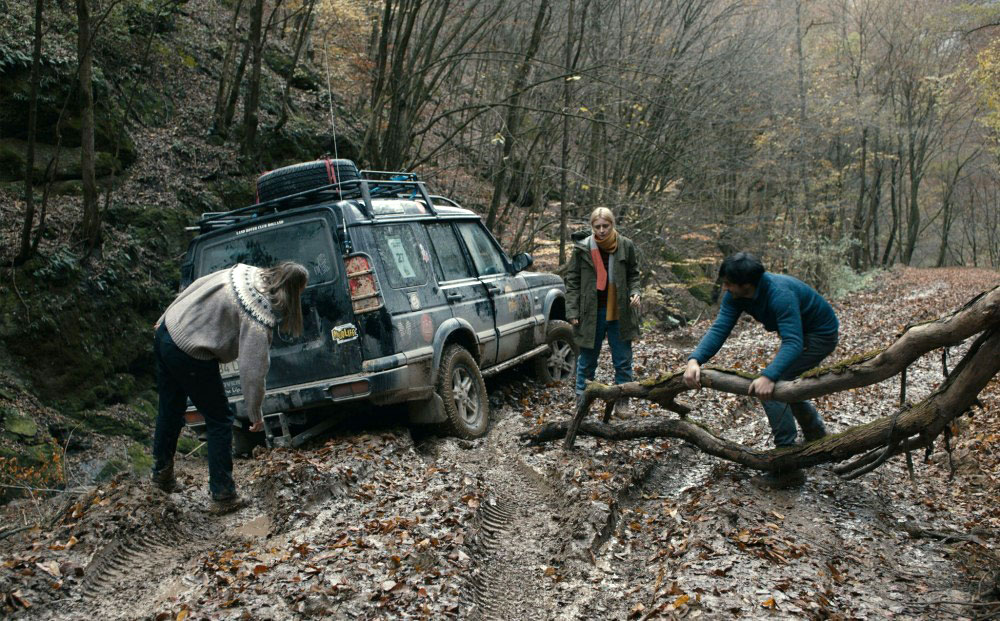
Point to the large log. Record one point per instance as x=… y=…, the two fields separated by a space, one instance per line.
x=910 y=428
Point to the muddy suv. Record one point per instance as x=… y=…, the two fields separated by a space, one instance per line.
x=410 y=301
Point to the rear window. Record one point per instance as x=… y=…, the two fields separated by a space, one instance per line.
x=304 y=241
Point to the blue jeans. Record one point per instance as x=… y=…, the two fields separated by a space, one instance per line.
x=621 y=354
x=783 y=416
x=179 y=376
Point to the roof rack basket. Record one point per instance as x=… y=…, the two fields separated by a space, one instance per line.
x=373 y=183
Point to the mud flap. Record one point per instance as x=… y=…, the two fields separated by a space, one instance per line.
x=427 y=411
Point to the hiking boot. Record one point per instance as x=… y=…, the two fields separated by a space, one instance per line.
x=165 y=480
x=780 y=480
x=227 y=502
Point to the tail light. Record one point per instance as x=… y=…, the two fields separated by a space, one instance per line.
x=365 y=294
x=193 y=417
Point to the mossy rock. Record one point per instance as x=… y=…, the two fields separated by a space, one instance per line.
x=103 y=424
x=14 y=158
x=18 y=424
x=703 y=292
x=188 y=445
x=140 y=459
x=110 y=469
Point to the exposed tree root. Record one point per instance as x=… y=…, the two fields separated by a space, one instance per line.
x=910 y=428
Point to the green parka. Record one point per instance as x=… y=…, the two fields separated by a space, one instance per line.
x=581 y=290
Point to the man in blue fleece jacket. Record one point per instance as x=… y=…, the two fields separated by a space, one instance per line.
x=808 y=328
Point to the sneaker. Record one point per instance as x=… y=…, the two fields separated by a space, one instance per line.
x=782 y=480
x=165 y=480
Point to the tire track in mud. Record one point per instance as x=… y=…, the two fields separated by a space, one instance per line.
x=133 y=573
x=511 y=548
x=517 y=538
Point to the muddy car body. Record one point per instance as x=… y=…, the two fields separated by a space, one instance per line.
x=410 y=301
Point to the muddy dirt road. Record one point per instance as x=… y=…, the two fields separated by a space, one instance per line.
x=384 y=523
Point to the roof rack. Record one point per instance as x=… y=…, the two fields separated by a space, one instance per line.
x=372 y=184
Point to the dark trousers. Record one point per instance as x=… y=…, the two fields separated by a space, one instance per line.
x=783 y=416
x=178 y=377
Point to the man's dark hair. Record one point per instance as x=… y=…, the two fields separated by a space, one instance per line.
x=742 y=268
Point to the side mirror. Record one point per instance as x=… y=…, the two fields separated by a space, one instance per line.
x=522 y=261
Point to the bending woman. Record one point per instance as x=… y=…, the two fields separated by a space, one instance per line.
x=602 y=298
x=224 y=316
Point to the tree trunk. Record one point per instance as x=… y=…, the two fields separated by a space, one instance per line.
x=299 y=41
x=514 y=115
x=858 y=224
x=234 y=90
x=29 y=168
x=91 y=227
x=220 y=125
x=980 y=315
x=251 y=106
x=564 y=154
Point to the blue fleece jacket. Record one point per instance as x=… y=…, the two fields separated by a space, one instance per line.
x=783 y=304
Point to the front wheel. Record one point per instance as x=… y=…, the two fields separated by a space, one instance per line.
x=560 y=365
x=461 y=387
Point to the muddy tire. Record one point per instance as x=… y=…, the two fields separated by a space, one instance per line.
x=244 y=441
x=461 y=387
x=301 y=177
x=560 y=365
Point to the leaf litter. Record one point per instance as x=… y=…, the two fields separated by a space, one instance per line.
x=386 y=523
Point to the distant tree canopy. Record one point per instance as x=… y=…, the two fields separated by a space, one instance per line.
x=858 y=133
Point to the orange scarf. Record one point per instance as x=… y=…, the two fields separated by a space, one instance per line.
x=604 y=279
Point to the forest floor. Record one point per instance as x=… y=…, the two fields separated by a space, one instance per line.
x=381 y=522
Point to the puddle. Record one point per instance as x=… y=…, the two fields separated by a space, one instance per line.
x=259 y=527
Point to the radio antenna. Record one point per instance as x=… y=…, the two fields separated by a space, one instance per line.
x=329 y=93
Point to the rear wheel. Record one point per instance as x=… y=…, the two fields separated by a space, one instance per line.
x=560 y=365
x=461 y=387
x=306 y=176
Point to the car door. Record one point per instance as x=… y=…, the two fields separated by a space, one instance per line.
x=508 y=291
x=466 y=294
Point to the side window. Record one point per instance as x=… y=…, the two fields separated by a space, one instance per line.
x=450 y=263
x=402 y=255
x=485 y=255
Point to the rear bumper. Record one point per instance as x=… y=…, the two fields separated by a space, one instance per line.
x=403 y=383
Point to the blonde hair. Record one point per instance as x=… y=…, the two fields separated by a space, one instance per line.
x=602 y=213
x=285 y=283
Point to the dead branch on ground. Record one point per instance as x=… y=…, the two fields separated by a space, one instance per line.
x=912 y=427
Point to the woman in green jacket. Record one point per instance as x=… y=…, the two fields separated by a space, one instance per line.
x=602 y=298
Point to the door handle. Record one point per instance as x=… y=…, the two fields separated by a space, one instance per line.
x=453 y=296
x=493 y=289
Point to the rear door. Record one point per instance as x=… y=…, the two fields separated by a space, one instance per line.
x=329 y=346
x=417 y=304
x=462 y=289
x=508 y=291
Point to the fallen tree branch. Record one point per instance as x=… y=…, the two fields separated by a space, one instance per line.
x=911 y=427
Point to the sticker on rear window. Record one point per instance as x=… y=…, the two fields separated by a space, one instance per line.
x=344 y=333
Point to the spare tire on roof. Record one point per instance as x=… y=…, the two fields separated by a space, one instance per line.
x=306 y=176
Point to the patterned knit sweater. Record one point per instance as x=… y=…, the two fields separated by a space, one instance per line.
x=226 y=316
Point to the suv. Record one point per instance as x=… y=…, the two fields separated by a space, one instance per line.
x=410 y=301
